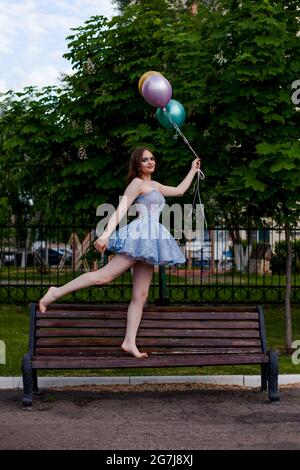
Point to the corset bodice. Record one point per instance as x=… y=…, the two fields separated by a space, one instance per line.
x=150 y=204
x=145 y=238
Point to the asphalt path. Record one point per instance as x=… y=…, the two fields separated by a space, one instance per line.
x=151 y=417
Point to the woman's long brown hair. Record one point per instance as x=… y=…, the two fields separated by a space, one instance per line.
x=135 y=163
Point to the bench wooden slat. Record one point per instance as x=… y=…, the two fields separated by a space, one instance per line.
x=157 y=333
x=157 y=324
x=105 y=351
x=119 y=332
x=149 y=315
x=172 y=308
x=162 y=360
x=176 y=342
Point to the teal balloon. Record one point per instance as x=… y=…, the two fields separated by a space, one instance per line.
x=175 y=110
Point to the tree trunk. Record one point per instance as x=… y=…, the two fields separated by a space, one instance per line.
x=288 y=291
x=27 y=248
x=241 y=257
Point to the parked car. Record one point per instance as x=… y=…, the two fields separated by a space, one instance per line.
x=201 y=263
x=54 y=255
x=7 y=257
x=200 y=253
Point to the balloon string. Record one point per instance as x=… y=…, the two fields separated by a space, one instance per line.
x=178 y=130
x=196 y=191
x=200 y=174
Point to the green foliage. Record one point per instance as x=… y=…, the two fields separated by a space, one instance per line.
x=109 y=57
x=5 y=209
x=34 y=150
x=65 y=150
x=278 y=260
x=254 y=125
x=121 y=4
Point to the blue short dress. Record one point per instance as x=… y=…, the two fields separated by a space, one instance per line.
x=145 y=238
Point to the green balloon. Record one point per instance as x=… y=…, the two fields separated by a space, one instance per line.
x=176 y=112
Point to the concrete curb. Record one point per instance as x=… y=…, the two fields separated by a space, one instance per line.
x=242 y=380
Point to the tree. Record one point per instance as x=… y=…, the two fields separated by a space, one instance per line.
x=32 y=151
x=122 y=4
x=79 y=136
x=109 y=57
x=253 y=131
x=231 y=65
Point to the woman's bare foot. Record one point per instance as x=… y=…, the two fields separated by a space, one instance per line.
x=132 y=349
x=49 y=297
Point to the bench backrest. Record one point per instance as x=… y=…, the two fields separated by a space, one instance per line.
x=91 y=330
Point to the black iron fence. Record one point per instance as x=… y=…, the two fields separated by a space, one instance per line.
x=239 y=265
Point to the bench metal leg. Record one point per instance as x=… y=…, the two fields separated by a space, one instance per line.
x=28 y=380
x=273 y=392
x=36 y=390
x=264 y=377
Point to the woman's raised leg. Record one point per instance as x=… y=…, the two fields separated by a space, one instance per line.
x=118 y=265
x=142 y=276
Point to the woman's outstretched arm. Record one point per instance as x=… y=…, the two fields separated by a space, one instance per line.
x=131 y=192
x=185 y=183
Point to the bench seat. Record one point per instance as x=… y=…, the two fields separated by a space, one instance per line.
x=79 y=336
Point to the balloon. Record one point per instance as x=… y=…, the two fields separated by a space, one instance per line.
x=176 y=112
x=145 y=76
x=157 y=91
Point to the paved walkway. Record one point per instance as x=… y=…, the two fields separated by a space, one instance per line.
x=151 y=417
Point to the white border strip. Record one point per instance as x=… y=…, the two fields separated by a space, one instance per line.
x=242 y=380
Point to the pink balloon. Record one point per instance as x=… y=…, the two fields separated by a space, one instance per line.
x=157 y=91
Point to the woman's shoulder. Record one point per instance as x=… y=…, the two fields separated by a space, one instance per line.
x=134 y=187
x=136 y=183
x=136 y=180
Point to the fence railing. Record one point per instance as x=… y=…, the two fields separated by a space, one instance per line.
x=239 y=265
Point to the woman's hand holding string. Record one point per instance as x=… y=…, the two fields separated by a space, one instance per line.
x=196 y=164
x=101 y=244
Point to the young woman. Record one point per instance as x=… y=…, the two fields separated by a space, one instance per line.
x=139 y=245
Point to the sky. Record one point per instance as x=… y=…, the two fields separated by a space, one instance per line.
x=33 y=38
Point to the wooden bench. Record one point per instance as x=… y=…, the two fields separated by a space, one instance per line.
x=70 y=336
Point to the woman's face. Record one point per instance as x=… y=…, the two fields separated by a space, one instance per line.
x=147 y=164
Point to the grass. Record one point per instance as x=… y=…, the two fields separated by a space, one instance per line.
x=53 y=276
x=14 y=323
